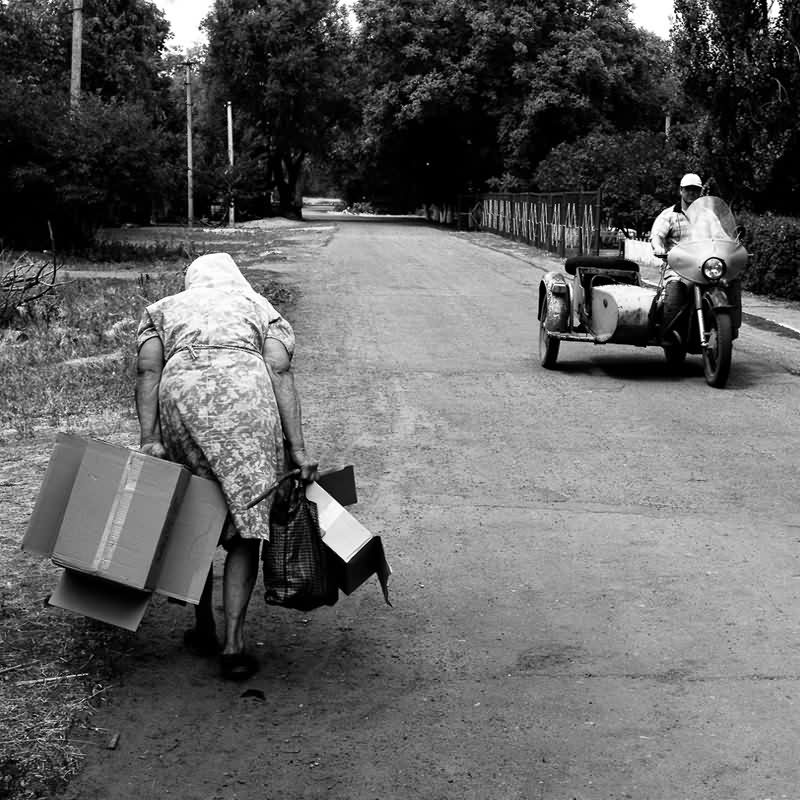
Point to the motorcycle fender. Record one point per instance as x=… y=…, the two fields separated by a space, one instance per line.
x=718 y=299
x=727 y=300
x=555 y=289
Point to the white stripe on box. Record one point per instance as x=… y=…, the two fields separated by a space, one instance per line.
x=118 y=513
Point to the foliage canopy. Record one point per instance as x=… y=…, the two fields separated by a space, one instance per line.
x=398 y=102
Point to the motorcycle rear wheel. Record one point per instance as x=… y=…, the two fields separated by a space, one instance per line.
x=717 y=355
x=548 y=345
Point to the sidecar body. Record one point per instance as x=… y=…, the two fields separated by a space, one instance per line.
x=599 y=300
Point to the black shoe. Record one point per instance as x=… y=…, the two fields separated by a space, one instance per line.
x=238 y=666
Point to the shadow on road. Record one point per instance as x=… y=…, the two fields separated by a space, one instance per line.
x=376 y=219
x=648 y=369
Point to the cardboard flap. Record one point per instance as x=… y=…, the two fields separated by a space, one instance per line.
x=354 y=553
x=48 y=513
x=191 y=542
x=340 y=484
x=382 y=569
x=99 y=599
x=342 y=532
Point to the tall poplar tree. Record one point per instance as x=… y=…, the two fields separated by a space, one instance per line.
x=739 y=68
x=283 y=66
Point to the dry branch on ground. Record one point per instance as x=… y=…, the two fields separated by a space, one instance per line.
x=23 y=280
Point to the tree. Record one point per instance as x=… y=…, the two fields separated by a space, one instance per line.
x=637 y=172
x=738 y=68
x=103 y=162
x=282 y=65
x=475 y=94
x=586 y=70
x=30 y=44
x=123 y=41
x=425 y=133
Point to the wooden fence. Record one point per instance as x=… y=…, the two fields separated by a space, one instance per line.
x=566 y=223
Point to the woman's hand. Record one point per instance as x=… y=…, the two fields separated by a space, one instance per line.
x=309 y=469
x=154 y=449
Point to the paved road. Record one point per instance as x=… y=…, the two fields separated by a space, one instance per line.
x=596 y=574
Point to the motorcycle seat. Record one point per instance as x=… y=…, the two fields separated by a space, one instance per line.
x=571 y=265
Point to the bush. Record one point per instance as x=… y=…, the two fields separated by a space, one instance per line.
x=117 y=251
x=78 y=171
x=774 y=246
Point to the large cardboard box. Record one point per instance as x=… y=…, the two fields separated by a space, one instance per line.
x=123 y=525
x=355 y=554
x=120 y=508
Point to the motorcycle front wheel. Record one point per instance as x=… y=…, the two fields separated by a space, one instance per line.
x=717 y=354
x=548 y=345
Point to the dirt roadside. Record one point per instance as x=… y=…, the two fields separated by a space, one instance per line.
x=86 y=666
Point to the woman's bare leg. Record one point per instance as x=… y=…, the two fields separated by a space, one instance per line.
x=203 y=611
x=202 y=639
x=241 y=571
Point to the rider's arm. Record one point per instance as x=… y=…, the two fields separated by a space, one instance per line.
x=659 y=233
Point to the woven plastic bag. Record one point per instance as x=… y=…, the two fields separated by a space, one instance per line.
x=296 y=573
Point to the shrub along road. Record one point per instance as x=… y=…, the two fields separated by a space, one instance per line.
x=596 y=576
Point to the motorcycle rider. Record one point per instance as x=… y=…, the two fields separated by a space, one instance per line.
x=670 y=226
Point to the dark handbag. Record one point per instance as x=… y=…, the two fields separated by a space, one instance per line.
x=296 y=573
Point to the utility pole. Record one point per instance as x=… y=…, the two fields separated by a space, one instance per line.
x=189 y=186
x=231 y=213
x=77 y=44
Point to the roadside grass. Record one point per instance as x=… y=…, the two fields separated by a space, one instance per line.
x=117 y=251
x=68 y=364
x=72 y=353
x=56 y=670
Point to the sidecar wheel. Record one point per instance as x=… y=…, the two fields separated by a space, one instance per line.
x=548 y=345
x=717 y=356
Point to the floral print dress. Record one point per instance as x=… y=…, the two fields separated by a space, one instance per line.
x=217 y=408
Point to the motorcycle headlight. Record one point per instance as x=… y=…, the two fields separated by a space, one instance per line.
x=714 y=268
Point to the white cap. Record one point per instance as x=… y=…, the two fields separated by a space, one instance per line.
x=690 y=179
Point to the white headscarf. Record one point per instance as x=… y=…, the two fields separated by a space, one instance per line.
x=219 y=271
x=215 y=271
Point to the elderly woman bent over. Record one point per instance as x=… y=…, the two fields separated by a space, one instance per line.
x=215 y=392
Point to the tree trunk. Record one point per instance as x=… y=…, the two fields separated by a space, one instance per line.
x=289 y=186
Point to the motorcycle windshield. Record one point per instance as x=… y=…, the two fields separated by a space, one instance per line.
x=710 y=218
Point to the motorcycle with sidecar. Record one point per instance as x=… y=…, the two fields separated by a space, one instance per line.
x=602 y=300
